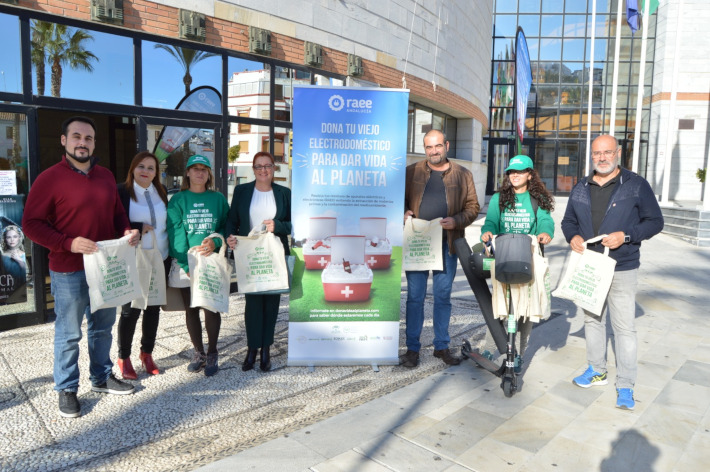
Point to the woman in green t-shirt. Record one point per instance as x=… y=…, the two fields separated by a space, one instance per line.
x=194 y=213
x=511 y=209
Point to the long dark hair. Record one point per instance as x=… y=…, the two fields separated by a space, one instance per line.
x=536 y=187
x=156 y=180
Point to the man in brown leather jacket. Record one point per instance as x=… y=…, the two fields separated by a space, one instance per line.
x=436 y=187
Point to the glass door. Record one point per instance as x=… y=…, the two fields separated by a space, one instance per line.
x=570 y=165
x=18 y=292
x=174 y=141
x=500 y=150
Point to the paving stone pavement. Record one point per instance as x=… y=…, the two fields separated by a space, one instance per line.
x=355 y=419
x=458 y=419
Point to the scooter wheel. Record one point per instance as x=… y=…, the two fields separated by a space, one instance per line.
x=465 y=347
x=508 y=388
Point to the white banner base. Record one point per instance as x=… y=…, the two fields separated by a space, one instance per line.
x=329 y=343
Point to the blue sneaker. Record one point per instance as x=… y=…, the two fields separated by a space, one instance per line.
x=590 y=378
x=625 y=398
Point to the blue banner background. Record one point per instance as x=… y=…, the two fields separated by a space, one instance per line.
x=329 y=117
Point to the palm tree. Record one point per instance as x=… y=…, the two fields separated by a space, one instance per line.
x=41 y=34
x=59 y=46
x=187 y=58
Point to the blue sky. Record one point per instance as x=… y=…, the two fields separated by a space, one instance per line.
x=112 y=78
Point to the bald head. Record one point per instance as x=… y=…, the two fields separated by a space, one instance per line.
x=437 y=133
x=605 y=154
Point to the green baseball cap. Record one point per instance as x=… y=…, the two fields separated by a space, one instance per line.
x=198 y=159
x=520 y=162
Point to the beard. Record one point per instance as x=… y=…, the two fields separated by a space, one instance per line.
x=80 y=160
x=437 y=159
x=607 y=167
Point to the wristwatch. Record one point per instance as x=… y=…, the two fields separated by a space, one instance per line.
x=627 y=239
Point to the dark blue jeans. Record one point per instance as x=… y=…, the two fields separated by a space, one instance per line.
x=71 y=302
x=416 y=292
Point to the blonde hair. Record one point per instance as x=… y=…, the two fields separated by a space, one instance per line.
x=16 y=229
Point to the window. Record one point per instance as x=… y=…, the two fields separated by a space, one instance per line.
x=164 y=73
x=10 y=64
x=96 y=66
x=421 y=120
x=244 y=127
x=8 y=132
x=248 y=87
x=243 y=147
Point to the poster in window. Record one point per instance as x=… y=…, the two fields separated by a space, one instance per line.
x=13 y=261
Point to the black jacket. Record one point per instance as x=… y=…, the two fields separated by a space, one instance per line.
x=238 y=220
x=632 y=208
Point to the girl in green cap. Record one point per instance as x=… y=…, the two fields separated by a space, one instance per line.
x=511 y=210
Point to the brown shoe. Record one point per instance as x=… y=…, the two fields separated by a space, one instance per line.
x=445 y=355
x=409 y=359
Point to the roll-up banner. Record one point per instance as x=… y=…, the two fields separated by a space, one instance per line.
x=523 y=82
x=204 y=99
x=349 y=160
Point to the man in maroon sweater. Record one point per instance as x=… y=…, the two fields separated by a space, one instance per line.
x=70 y=206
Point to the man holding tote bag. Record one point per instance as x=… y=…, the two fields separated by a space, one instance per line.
x=72 y=205
x=436 y=188
x=621 y=204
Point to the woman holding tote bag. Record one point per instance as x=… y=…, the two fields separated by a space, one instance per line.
x=253 y=204
x=511 y=210
x=145 y=200
x=194 y=213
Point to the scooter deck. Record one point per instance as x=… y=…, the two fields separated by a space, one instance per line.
x=486 y=363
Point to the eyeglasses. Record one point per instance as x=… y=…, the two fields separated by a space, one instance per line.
x=608 y=153
x=518 y=172
x=267 y=167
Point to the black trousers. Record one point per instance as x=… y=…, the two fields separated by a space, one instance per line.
x=129 y=319
x=260 y=313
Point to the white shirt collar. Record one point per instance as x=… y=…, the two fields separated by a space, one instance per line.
x=138 y=189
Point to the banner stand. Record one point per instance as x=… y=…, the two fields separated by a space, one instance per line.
x=349 y=159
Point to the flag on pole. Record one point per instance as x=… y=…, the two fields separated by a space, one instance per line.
x=653 y=6
x=633 y=12
x=632 y=15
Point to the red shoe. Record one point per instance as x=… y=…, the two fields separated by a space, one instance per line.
x=148 y=364
x=126 y=368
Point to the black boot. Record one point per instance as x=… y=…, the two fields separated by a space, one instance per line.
x=265 y=362
x=249 y=361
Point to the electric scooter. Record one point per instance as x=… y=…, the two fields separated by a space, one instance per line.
x=503 y=334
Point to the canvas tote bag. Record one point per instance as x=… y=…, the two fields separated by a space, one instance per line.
x=499 y=295
x=151 y=274
x=209 y=278
x=177 y=277
x=111 y=274
x=421 y=247
x=540 y=299
x=260 y=263
x=588 y=278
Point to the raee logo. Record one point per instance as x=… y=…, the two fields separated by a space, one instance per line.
x=351 y=105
